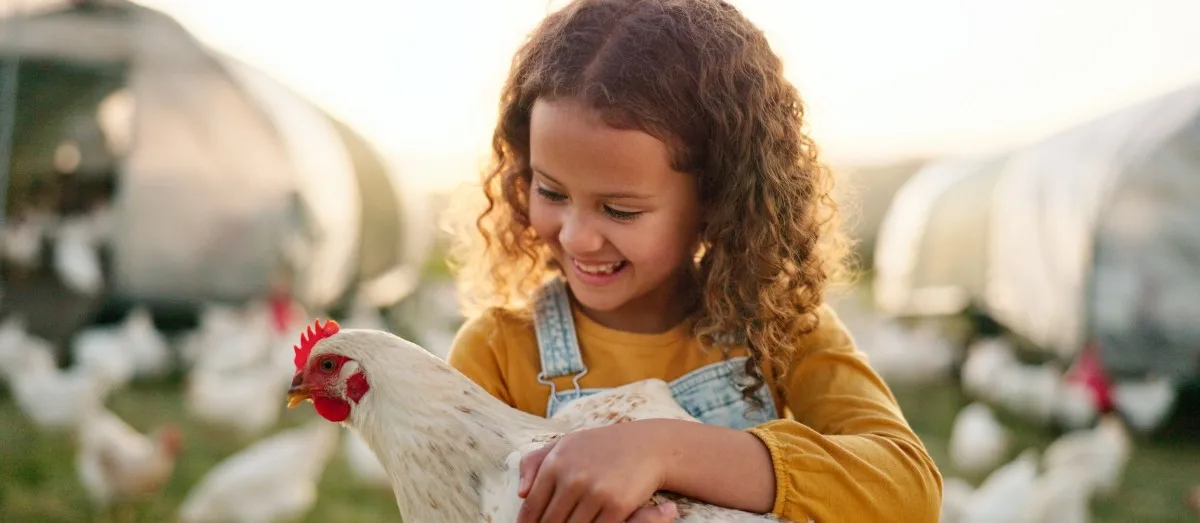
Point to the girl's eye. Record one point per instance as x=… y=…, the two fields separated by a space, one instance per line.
x=550 y=195
x=326 y=364
x=620 y=215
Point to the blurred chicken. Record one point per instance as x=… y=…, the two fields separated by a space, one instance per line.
x=274 y=479
x=979 y=369
x=1003 y=496
x=1040 y=394
x=117 y=464
x=58 y=399
x=228 y=337
x=23 y=236
x=1029 y=391
x=237 y=400
x=1097 y=456
x=22 y=353
x=978 y=443
x=1058 y=497
x=1145 y=403
x=133 y=349
x=907 y=356
x=77 y=256
x=956 y=493
x=242 y=370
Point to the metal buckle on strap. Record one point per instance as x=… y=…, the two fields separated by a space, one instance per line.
x=541 y=378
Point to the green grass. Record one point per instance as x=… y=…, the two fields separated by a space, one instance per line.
x=39 y=484
x=1161 y=469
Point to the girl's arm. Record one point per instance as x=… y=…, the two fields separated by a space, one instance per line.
x=726 y=467
x=848 y=455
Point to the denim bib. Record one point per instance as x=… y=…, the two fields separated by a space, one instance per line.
x=710 y=393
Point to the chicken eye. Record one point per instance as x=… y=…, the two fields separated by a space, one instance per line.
x=327 y=364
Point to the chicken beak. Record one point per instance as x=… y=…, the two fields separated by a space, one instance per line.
x=298 y=392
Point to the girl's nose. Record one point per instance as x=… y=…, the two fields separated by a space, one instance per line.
x=578 y=235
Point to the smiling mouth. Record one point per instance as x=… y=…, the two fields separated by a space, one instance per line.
x=599 y=269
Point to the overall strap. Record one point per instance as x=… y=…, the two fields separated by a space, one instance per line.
x=554 y=325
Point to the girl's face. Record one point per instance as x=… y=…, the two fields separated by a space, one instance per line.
x=619 y=220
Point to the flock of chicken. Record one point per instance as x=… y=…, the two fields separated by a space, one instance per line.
x=238 y=364
x=76 y=238
x=1085 y=463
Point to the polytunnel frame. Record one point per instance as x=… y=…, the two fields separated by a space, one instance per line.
x=1089 y=163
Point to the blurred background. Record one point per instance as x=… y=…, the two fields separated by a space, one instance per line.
x=183 y=184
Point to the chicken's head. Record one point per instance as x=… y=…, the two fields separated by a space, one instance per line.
x=331 y=381
x=170 y=438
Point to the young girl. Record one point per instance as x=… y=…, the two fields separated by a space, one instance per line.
x=655 y=211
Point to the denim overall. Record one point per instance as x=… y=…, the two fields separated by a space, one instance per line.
x=709 y=393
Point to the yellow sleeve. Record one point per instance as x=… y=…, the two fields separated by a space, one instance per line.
x=849 y=454
x=478 y=352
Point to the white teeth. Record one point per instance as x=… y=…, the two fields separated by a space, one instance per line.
x=598 y=269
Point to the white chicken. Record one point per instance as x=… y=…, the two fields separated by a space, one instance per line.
x=57 y=400
x=646 y=399
x=1058 y=497
x=149 y=347
x=1040 y=394
x=218 y=321
x=23 y=237
x=904 y=356
x=452 y=450
x=242 y=366
x=956 y=494
x=230 y=339
x=132 y=349
x=1097 y=456
x=984 y=359
x=1003 y=496
x=274 y=479
x=22 y=353
x=978 y=443
x=76 y=256
x=115 y=463
x=1145 y=403
x=1029 y=391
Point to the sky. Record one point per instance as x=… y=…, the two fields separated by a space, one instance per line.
x=883 y=80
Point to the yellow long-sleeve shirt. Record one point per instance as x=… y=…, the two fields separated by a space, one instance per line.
x=842 y=450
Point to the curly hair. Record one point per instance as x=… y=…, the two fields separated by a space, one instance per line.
x=702 y=78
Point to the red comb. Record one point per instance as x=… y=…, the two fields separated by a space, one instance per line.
x=316 y=332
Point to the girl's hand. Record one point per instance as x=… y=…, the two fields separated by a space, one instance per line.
x=600 y=475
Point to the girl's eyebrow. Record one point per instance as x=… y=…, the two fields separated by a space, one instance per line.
x=619 y=195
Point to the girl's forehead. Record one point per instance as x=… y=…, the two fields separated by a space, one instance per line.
x=571 y=145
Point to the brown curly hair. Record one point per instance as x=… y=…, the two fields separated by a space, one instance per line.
x=701 y=77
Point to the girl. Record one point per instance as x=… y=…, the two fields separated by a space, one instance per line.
x=655 y=211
